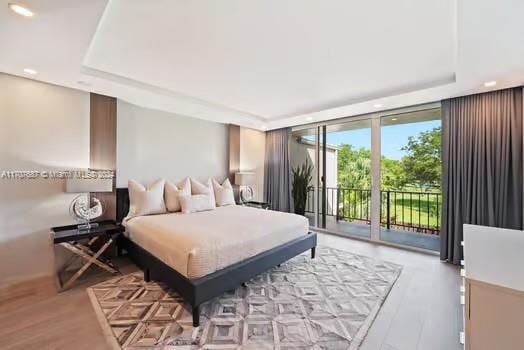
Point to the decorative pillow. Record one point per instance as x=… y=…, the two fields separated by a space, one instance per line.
x=223 y=193
x=146 y=201
x=195 y=203
x=200 y=188
x=172 y=192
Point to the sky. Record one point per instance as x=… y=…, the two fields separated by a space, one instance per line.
x=393 y=137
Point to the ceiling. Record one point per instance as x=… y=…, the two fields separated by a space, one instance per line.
x=267 y=63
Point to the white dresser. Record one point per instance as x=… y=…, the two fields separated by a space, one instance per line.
x=494 y=288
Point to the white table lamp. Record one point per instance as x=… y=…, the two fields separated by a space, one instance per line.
x=85 y=208
x=244 y=180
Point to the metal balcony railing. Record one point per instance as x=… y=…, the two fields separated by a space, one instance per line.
x=402 y=210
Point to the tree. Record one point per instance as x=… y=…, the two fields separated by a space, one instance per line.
x=393 y=176
x=354 y=167
x=422 y=162
x=421 y=166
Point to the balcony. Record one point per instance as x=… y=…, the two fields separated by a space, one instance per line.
x=407 y=217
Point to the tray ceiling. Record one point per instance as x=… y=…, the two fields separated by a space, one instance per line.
x=269 y=63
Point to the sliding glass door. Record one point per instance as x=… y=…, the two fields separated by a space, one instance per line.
x=374 y=177
x=347 y=179
x=339 y=195
x=411 y=175
x=303 y=149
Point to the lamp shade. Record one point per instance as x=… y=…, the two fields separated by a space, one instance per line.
x=244 y=178
x=79 y=185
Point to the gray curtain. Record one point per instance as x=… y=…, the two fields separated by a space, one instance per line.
x=277 y=172
x=482 y=165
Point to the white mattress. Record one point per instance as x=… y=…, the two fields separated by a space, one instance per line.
x=198 y=244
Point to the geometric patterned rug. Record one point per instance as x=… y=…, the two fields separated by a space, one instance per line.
x=329 y=302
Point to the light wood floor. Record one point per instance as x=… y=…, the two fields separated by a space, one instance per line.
x=421 y=312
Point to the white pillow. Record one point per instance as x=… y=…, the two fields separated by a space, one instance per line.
x=144 y=201
x=195 y=203
x=223 y=193
x=172 y=192
x=200 y=188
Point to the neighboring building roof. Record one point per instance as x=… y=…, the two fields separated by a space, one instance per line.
x=305 y=141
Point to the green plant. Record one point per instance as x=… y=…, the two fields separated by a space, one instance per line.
x=302 y=176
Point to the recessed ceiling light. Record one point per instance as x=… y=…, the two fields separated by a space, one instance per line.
x=22 y=11
x=30 y=71
x=377 y=105
x=394 y=119
x=490 y=83
x=309 y=119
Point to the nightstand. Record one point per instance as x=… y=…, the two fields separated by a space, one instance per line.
x=254 y=204
x=82 y=244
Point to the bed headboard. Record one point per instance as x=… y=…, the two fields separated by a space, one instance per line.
x=122 y=203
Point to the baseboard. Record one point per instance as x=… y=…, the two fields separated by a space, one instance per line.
x=20 y=293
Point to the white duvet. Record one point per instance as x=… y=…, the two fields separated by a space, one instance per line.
x=198 y=244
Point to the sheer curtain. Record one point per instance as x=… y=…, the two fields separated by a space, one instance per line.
x=277 y=172
x=482 y=165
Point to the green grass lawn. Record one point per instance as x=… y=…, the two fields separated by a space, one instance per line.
x=414 y=210
x=418 y=210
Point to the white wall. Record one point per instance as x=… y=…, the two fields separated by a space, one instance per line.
x=252 y=153
x=43 y=127
x=153 y=144
x=299 y=152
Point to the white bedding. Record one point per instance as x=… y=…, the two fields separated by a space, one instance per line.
x=198 y=244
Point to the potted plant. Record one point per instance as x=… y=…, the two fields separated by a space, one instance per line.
x=302 y=176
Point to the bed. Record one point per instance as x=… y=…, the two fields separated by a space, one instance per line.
x=202 y=255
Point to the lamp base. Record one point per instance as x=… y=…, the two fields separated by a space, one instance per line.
x=84 y=209
x=246 y=194
x=88 y=226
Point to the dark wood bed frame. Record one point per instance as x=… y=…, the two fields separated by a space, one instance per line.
x=196 y=291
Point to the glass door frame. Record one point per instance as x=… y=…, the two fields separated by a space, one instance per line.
x=320 y=186
x=320 y=134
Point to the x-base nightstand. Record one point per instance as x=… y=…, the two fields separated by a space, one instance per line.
x=72 y=239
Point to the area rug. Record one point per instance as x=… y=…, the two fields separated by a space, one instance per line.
x=329 y=302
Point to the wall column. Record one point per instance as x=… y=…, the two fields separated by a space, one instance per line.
x=234 y=151
x=102 y=147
